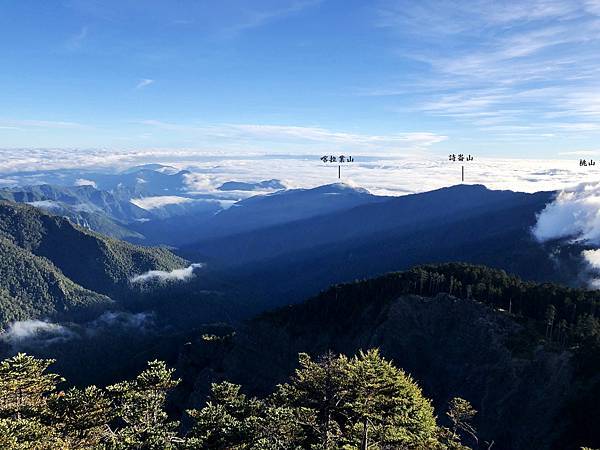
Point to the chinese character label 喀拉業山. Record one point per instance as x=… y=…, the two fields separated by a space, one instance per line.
x=337 y=159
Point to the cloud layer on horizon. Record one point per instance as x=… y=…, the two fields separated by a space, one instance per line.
x=381 y=175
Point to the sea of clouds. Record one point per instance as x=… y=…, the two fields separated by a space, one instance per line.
x=573 y=215
x=386 y=175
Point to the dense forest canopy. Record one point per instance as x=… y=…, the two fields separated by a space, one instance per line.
x=50 y=268
x=364 y=402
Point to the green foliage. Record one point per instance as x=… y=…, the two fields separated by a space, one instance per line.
x=461 y=413
x=320 y=391
x=90 y=259
x=24 y=386
x=82 y=416
x=29 y=434
x=140 y=406
x=51 y=268
x=563 y=315
x=386 y=407
x=131 y=415
x=32 y=287
x=231 y=420
x=573 y=335
x=330 y=403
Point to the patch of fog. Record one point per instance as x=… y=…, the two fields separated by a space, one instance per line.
x=226 y=204
x=25 y=334
x=161 y=275
x=149 y=203
x=85 y=182
x=39 y=331
x=124 y=320
x=574 y=213
x=45 y=204
x=84 y=207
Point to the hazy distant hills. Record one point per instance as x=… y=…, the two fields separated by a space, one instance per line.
x=150 y=204
x=282 y=207
x=207 y=219
x=245 y=186
x=142 y=182
x=293 y=242
x=461 y=223
x=80 y=198
x=82 y=205
x=351 y=222
x=51 y=267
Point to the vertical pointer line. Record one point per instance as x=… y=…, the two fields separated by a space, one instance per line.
x=339 y=172
x=463 y=174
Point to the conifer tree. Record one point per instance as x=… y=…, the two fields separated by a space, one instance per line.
x=29 y=434
x=386 y=407
x=140 y=407
x=82 y=416
x=231 y=420
x=226 y=420
x=320 y=389
x=24 y=386
x=461 y=414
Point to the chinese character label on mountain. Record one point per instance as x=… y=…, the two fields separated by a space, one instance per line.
x=462 y=159
x=341 y=159
x=337 y=159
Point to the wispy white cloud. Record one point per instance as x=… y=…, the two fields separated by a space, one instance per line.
x=40 y=332
x=254 y=17
x=304 y=134
x=173 y=275
x=84 y=182
x=503 y=62
x=18 y=124
x=144 y=82
x=76 y=41
x=150 y=203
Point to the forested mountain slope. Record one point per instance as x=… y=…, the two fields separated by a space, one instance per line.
x=83 y=198
x=525 y=355
x=85 y=206
x=94 y=261
x=31 y=287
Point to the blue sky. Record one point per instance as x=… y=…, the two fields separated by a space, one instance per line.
x=490 y=77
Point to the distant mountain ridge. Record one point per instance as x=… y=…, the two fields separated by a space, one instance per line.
x=284 y=206
x=249 y=186
x=83 y=205
x=462 y=223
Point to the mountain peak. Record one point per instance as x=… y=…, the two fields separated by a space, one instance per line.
x=338 y=188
